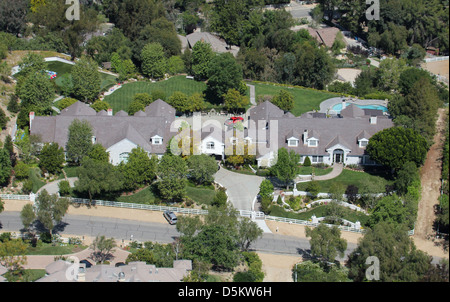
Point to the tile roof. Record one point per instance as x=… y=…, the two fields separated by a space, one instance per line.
x=132 y=272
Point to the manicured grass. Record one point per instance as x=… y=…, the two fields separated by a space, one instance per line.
x=144 y=196
x=49 y=249
x=120 y=99
x=63 y=71
x=348 y=177
x=200 y=194
x=319 y=211
x=304 y=99
x=70 y=172
x=317 y=171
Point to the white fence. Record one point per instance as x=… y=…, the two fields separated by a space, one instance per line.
x=242 y=213
x=435 y=59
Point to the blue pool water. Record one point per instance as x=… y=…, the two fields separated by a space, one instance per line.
x=338 y=107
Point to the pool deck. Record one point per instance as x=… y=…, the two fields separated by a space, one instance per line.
x=327 y=105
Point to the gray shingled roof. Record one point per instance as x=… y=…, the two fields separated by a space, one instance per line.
x=108 y=130
x=329 y=131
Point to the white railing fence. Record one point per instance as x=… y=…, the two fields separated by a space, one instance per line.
x=242 y=213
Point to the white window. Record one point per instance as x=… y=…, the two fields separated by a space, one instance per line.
x=292 y=143
x=123 y=157
x=317 y=159
x=210 y=145
x=363 y=143
x=157 y=140
x=312 y=143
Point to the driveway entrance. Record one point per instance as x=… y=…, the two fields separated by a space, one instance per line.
x=241 y=189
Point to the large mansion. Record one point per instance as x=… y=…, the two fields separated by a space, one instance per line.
x=338 y=139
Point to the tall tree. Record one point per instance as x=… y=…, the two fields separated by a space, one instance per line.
x=393 y=147
x=224 y=73
x=202 y=168
x=172 y=171
x=286 y=167
x=51 y=158
x=36 y=90
x=50 y=209
x=395 y=252
x=154 y=63
x=326 y=243
x=5 y=167
x=202 y=54
x=86 y=80
x=139 y=170
x=79 y=142
x=95 y=177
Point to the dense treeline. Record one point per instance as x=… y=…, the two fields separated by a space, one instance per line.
x=402 y=23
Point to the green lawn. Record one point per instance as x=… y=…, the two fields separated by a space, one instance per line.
x=348 y=177
x=145 y=196
x=317 y=171
x=121 y=98
x=304 y=99
x=63 y=71
x=200 y=194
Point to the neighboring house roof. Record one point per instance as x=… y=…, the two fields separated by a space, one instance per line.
x=133 y=272
x=352 y=111
x=184 y=42
x=217 y=44
x=325 y=35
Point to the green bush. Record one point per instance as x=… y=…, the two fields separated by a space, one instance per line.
x=307 y=162
x=64 y=188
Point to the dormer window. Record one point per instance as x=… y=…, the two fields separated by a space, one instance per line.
x=157 y=140
x=363 y=143
x=292 y=142
x=312 y=142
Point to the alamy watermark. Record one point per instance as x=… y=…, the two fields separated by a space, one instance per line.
x=73 y=12
x=373 y=271
x=373 y=11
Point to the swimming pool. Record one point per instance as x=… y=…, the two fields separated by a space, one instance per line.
x=338 y=107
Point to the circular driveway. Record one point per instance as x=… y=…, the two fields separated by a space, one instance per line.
x=241 y=189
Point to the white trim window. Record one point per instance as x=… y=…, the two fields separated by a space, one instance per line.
x=317 y=159
x=363 y=143
x=292 y=142
x=312 y=142
x=157 y=140
x=210 y=146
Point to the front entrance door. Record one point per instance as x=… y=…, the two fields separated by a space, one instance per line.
x=338 y=156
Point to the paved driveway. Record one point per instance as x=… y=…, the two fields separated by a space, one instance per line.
x=52 y=187
x=241 y=189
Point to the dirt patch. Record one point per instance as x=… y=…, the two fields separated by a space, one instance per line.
x=278 y=268
x=430 y=176
x=299 y=231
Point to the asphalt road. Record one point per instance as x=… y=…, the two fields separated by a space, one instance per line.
x=150 y=231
